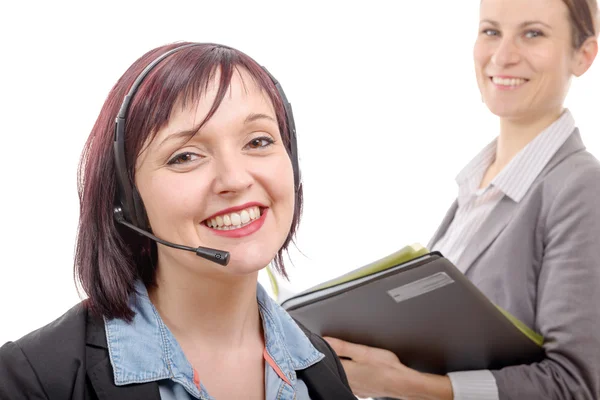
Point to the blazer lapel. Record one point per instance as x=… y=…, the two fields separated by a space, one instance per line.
x=493 y=225
x=504 y=210
x=100 y=372
x=502 y=213
x=323 y=384
x=441 y=230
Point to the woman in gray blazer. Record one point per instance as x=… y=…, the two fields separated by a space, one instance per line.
x=525 y=228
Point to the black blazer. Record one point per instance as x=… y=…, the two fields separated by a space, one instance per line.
x=68 y=359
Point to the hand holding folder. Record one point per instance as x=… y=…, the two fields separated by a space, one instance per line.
x=418 y=305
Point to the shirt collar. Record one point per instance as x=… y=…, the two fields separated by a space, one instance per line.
x=470 y=177
x=145 y=350
x=284 y=340
x=520 y=173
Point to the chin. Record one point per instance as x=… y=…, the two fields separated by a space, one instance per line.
x=248 y=261
x=244 y=267
x=504 y=109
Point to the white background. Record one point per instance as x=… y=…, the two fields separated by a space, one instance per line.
x=386 y=105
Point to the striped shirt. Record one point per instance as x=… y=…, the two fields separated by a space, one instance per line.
x=475 y=205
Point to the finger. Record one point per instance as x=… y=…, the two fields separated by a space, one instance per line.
x=348 y=349
x=361 y=353
x=353 y=374
x=347 y=364
x=341 y=347
x=336 y=344
x=362 y=379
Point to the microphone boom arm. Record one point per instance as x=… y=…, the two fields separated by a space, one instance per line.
x=217 y=256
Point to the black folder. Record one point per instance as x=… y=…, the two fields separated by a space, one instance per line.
x=424 y=310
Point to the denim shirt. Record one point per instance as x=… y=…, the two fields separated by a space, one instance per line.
x=145 y=351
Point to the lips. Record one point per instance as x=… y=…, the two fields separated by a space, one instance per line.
x=254 y=215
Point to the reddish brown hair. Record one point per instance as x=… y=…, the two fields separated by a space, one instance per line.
x=109 y=257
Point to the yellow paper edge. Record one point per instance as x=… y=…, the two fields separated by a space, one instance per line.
x=274 y=285
x=531 y=334
x=401 y=256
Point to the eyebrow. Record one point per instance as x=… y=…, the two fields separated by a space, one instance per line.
x=521 y=25
x=255 y=117
x=189 y=133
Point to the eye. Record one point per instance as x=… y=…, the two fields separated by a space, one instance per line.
x=183 y=158
x=260 y=142
x=490 y=32
x=533 y=34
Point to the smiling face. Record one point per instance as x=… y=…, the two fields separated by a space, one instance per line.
x=228 y=186
x=524 y=57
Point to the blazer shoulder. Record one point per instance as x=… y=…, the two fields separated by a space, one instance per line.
x=63 y=333
x=19 y=379
x=572 y=181
x=50 y=359
x=579 y=168
x=331 y=359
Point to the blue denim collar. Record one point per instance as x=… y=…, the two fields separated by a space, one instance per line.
x=145 y=350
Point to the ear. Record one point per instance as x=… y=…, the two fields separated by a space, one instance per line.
x=584 y=56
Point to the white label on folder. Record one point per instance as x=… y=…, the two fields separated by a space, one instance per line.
x=421 y=286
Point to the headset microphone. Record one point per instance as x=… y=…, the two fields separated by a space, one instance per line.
x=218 y=256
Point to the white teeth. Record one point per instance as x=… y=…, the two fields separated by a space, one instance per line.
x=245 y=216
x=234 y=220
x=513 y=82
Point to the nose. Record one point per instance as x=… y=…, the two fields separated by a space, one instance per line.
x=232 y=175
x=507 y=53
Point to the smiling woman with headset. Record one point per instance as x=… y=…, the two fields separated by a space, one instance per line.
x=195 y=144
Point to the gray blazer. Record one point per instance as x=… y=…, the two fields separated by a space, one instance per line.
x=540 y=260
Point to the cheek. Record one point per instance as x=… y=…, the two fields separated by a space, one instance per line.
x=169 y=199
x=552 y=66
x=544 y=59
x=480 y=58
x=279 y=178
x=478 y=53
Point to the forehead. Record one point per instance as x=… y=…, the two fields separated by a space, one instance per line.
x=243 y=96
x=518 y=11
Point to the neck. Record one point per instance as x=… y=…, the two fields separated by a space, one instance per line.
x=515 y=134
x=213 y=310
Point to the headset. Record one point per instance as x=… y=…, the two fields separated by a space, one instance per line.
x=129 y=209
